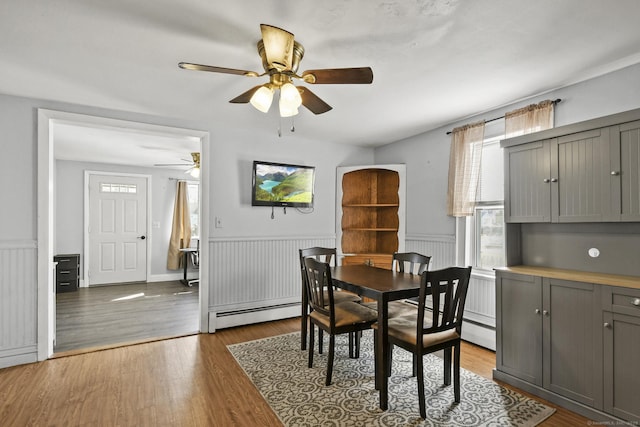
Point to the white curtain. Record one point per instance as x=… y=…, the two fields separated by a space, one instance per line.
x=532 y=118
x=464 y=168
x=181 y=228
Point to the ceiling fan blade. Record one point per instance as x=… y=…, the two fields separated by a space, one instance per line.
x=278 y=47
x=362 y=75
x=312 y=101
x=213 y=69
x=245 y=97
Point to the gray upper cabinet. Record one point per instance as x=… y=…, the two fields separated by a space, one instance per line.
x=527 y=189
x=625 y=171
x=564 y=179
x=585 y=172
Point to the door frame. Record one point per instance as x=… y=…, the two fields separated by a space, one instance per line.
x=45 y=212
x=87 y=213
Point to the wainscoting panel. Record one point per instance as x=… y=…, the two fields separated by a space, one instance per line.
x=441 y=249
x=18 y=305
x=253 y=274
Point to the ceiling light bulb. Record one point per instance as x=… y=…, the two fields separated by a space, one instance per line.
x=195 y=172
x=262 y=99
x=290 y=96
x=286 y=111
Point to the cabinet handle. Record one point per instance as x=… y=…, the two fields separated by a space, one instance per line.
x=545 y=312
x=554 y=179
x=636 y=302
x=607 y=325
x=537 y=311
x=615 y=173
x=546 y=180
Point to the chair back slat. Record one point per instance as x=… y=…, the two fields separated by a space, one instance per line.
x=327 y=255
x=417 y=263
x=448 y=290
x=318 y=287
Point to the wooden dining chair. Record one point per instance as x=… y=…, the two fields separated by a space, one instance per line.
x=327 y=255
x=405 y=262
x=329 y=315
x=434 y=328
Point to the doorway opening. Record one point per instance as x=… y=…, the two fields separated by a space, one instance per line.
x=48 y=124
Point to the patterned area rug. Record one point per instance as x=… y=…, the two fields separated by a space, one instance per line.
x=297 y=394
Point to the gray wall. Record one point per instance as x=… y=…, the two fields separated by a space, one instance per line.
x=427 y=155
x=69 y=212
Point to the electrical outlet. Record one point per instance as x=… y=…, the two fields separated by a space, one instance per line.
x=218 y=222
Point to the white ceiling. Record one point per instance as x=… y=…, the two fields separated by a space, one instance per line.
x=434 y=61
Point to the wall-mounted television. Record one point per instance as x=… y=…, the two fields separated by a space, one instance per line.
x=282 y=184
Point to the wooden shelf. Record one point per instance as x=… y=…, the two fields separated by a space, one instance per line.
x=371 y=205
x=370 y=229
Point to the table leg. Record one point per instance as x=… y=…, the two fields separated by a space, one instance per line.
x=382 y=359
x=184 y=274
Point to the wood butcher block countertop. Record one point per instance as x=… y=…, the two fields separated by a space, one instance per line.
x=578 y=276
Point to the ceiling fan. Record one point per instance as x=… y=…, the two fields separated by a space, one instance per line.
x=281 y=56
x=193 y=165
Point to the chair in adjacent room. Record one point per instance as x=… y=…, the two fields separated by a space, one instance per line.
x=328 y=315
x=437 y=328
x=327 y=255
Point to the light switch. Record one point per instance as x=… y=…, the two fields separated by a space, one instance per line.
x=155 y=224
x=218 y=222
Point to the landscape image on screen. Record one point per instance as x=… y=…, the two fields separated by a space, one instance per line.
x=283 y=184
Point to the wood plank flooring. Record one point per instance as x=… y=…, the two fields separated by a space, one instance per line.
x=124 y=313
x=188 y=381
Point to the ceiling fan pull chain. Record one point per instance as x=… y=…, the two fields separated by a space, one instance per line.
x=293 y=126
x=272 y=216
x=279 y=126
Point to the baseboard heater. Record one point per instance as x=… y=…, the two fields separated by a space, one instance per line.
x=228 y=319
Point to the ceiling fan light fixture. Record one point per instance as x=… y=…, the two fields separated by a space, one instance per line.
x=195 y=172
x=290 y=96
x=262 y=99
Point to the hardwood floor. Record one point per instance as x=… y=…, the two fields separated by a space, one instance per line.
x=125 y=313
x=188 y=381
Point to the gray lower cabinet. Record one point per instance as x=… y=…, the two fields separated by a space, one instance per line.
x=549 y=335
x=621 y=325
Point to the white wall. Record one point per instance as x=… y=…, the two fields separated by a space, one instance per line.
x=231 y=152
x=69 y=214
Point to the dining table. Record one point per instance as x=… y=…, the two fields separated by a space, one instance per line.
x=381 y=285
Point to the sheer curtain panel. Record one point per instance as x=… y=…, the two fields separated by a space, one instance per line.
x=464 y=168
x=532 y=118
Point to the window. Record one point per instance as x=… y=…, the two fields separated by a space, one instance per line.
x=118 y=188
x=193 y=195
x=484 y=231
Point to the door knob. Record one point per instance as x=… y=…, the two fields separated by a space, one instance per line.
x=554 y=179
x=545 y=312
x=142 y=237
x=636 y=302
x=607 y=325
x=537 y=311
x=546 y=180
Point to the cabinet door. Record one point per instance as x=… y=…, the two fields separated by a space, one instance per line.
x=621 y=372
x=625 y=171
x=519 y=326
x=527 y=183
x=580 y=184
x=572 y=355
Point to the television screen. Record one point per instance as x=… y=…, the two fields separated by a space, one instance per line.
x=280 y=184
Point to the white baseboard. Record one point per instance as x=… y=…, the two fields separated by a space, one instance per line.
x=266 y=314
x=18 y=356
x=479 y=335
x=171 y=277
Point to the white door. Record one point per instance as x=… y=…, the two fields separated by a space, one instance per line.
x=117 y=229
